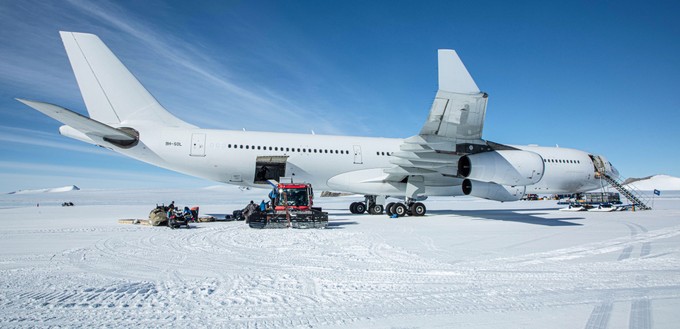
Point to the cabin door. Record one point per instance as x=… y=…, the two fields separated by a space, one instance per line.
x=357 y=155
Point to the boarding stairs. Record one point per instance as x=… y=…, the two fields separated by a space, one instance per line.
x=635 y=196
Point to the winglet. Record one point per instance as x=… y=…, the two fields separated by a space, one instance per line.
x=453 y=76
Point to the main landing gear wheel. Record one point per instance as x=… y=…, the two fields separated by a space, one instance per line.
x=399 y=209
x=357 y=207
x=388 y=209
x=376 y=209
x=418 y=209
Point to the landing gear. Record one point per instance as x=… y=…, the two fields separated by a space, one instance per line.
x=388 y=209
x=399 y=209
x=418 y=209
x=375 y=209
x=411 y=209
x=357 y=208
x=374 y=206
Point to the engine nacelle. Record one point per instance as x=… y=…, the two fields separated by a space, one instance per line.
x=492 y=191
x=505 y=167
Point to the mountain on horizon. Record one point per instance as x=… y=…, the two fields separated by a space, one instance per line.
x=655 y=182
x=48 y=190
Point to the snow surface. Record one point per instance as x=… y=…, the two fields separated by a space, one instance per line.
x=468 y=263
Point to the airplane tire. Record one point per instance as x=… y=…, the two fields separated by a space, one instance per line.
x=376 y=209
x=388 y=208
x=418 y=209
x=352 y=208
x=370 y=210
x=399 y=209
x=360 y=208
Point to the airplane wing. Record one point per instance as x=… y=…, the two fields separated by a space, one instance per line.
x=93 y=129
x=453 y=126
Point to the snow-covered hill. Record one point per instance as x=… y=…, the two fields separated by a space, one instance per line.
x=48 y=190
x=657 y=182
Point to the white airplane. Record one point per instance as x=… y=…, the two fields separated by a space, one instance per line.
x=447 y=158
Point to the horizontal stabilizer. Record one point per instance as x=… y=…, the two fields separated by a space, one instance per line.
x=92 y=128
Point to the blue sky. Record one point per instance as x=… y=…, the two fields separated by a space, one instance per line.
x=601 y=76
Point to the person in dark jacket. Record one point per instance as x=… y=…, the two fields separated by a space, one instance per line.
x=249 y=210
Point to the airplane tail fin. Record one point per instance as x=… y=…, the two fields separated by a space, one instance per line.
x=453 y=76
x=111 y=93
x=457 y=113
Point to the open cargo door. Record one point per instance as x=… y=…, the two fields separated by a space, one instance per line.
x=269 y=167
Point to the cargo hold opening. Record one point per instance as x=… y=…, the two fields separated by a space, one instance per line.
x=269 y=167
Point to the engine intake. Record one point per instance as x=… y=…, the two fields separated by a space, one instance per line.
x=505 y=167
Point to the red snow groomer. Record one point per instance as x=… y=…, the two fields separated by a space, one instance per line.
x=292 y=207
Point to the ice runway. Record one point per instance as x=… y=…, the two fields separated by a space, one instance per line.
x=469 y=263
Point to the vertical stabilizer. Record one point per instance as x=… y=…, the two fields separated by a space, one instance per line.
x=458 y=110
x=111 y=93
x=453 y=76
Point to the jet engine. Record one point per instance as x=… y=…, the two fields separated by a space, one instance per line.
x=493 y=191
x=505 y=167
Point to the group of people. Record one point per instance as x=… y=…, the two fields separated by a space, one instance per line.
x=173 y=212
x=252 y=208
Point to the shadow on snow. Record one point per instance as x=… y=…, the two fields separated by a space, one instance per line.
x=513 y=216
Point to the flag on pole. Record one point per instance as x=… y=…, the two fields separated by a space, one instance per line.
x=657 y=192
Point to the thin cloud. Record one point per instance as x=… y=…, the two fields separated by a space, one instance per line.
x=79 y=172
x=259 y=103
x=51 y=140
